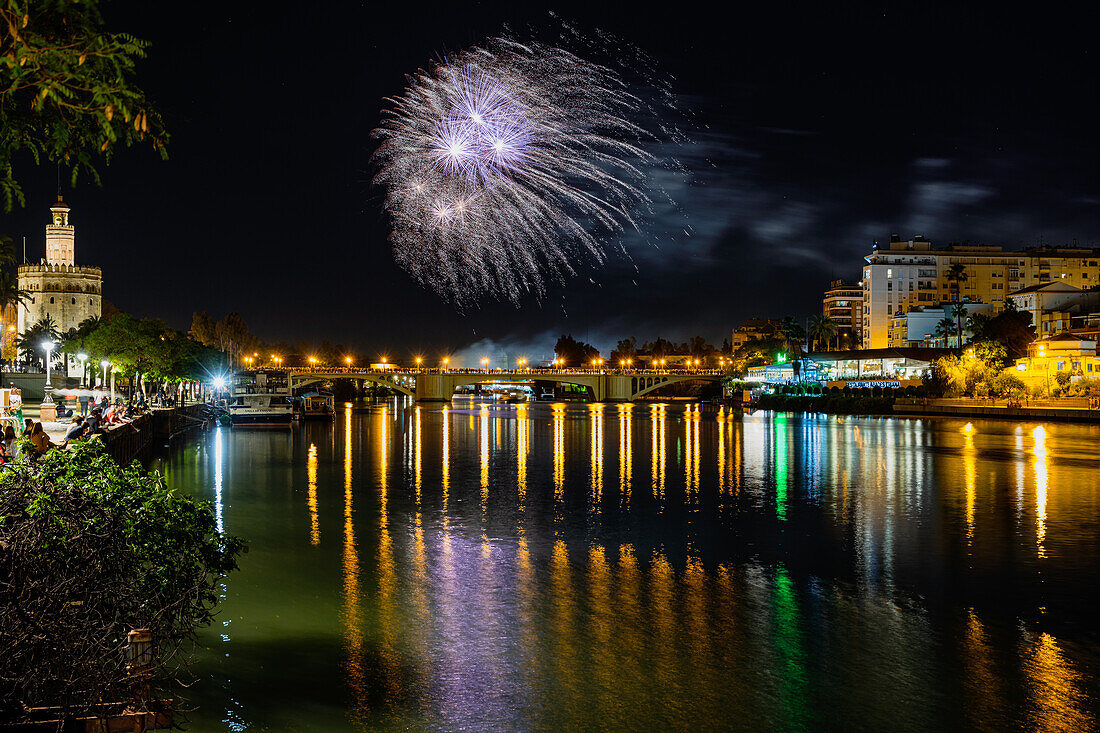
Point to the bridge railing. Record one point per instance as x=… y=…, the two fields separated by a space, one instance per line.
x=535 y=371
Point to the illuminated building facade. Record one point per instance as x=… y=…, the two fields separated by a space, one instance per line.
x=905 y=274
x=844 y=305
x=57 y=287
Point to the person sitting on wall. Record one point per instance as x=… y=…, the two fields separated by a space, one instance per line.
x=77 y=430
x=94 y=423
x=39 y=439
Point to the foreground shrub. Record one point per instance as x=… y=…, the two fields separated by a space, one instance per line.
x=90 y=550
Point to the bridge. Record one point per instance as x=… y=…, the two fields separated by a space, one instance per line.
x=438 y=385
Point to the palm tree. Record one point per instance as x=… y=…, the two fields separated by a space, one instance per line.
x=958 y=312
x=30 y=341
x=822 y=328
x=945 y=329
x=956 y=274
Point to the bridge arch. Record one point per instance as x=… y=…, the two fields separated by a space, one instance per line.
x=299 y=380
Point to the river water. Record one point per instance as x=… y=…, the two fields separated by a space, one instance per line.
x=498 y=567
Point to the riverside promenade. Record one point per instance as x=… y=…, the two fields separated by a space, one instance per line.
x=1072 y=410
x=129 y=441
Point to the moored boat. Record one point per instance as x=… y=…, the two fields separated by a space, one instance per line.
x=260 y=399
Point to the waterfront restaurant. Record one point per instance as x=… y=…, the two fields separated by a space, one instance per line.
x=873 y=366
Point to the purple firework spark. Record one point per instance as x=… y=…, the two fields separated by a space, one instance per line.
x=508 y=163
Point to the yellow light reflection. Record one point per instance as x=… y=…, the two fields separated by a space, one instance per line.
x=523 y=448
x=311 y=476
x=353 y=634
x=595 y=415
x=723 y=487
x=1040 y=437
x=558 y=419
x=446 y=454
x=970 y=477
x=417 y=453
x=387 y=574
x=658 y=418
x=483 y=432
x=626 y=444
x=1056 y=689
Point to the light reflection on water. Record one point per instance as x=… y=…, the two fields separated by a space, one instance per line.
x=560 y=565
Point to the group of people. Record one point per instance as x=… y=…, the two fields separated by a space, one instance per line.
x=93 y=421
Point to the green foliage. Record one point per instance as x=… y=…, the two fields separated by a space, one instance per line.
x=66 y=90
x=1008 y=385
x=977 y=372
x=1012 y=328
x=822 y=328
x=92 y=550
x=30 y=341
x=149 y=347
x=1062 y=378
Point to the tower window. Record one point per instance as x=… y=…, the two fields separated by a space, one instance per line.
x=51 y=301
x=89 y=301
x=74 y=301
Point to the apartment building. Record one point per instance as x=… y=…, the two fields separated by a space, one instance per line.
x=905 y=274
x=844 y=304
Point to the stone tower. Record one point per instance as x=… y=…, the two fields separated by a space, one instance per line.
x=57 y=286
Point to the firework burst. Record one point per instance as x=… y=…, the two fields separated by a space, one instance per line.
x=507 y=165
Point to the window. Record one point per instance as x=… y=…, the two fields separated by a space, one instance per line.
x=1060 y=364
x=74 y=301
x=51 y=300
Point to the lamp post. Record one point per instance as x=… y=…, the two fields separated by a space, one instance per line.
x=83 y=368
x=47 y=346
x=104 y=364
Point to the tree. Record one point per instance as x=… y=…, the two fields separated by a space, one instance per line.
x=945 y=329
x=1010 y=327
x=31 y=340
x=822 y=328
x=92 y=550
x=625 y=349
x=956 y=275
x=958 y=313
x=66 y=90
x=133 y=345
x=571 y=352
x=203 y=329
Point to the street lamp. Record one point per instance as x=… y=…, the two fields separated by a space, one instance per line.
x=47 y=346
x=418 y=360
x=446 y=361
x=484 y=363
x=104 y=364
x=83 y=358
x=347 y=360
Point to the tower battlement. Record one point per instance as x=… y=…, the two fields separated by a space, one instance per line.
x=44 y=268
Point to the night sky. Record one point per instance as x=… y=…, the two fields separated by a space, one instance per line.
x=814 y=131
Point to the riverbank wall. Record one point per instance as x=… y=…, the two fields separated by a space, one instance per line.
x=1062 y=410
x=134 y=440
x=1067 y=410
